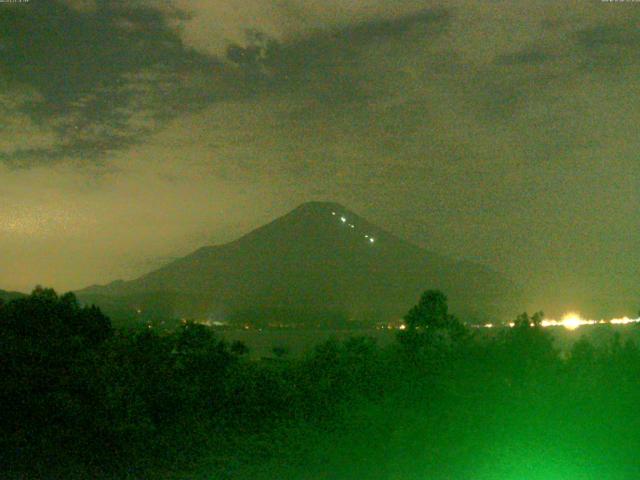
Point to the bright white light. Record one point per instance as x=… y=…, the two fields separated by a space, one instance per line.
x=366 y=236
x=344 y=220
x=624 y=321
x=333 y=213
x=571 y=321
x=352 y=225
x=372 y=239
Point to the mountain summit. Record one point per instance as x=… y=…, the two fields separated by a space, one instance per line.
x=320 y=261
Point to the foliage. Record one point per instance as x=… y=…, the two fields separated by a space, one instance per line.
x=429 y=325
x=78 y=400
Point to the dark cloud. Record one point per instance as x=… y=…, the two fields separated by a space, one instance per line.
x=326 y=59
x=106 y=77
x=381 y=30
x=102 y=78
x=603 y=36
x=609 y=46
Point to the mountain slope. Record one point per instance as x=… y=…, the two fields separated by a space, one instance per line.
x=8 y=296
x=316 y=261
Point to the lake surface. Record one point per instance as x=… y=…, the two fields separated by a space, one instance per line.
x=299 y=341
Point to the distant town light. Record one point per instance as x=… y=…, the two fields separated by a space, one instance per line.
x=624 y=321
x=570 y=321
x=352 y=225
x=372 y=239
x=344 y=220
x=333 y=213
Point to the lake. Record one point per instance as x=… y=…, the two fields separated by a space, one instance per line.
x=300 y=341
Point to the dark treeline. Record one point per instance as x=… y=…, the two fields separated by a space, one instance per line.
x=80 y=400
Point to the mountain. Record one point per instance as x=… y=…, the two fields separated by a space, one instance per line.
x=318 y=262
x=8 y=296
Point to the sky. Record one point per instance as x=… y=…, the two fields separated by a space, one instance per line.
x=133 y=132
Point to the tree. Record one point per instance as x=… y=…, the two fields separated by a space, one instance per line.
x=44 y=316
x=431 y=311
x=524 y=321
x=430 y=320
x=239 y=348
x=48 y=345
x=528 y=345
x=280 y=351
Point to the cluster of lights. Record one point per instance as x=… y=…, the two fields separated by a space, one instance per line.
x=572 y=321
x=343 y=219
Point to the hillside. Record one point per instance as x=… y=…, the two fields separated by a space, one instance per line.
x=8 y=296
x=319 y=261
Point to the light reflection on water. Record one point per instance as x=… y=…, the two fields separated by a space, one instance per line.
x=299 y=341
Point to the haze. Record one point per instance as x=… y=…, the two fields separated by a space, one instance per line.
x=134 y=132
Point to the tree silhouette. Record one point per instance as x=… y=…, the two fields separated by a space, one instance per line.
x=45 y=316
x=429 y=322
x=528 y=346
x=431 y=311
x=239 y=348
x=524 y=321
x=280 y=351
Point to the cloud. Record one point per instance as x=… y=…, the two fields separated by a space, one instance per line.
x=99 y=76
x=212 y=26
x=122 y=69
x=609 y=46
x=69 y=227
